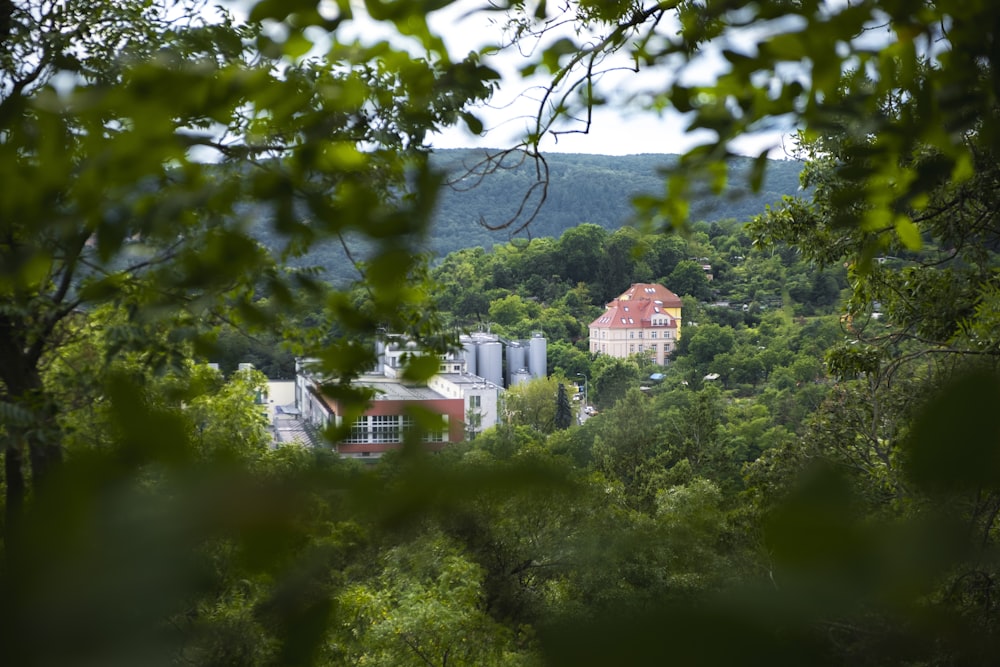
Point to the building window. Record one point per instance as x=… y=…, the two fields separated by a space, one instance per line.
x=640 y=334
x=359 y=431
x=436 y=436
x=631 y=334
x=475 y=401
x=385 y=428
x=631 y=348
x=652 y=334
x=640 y=347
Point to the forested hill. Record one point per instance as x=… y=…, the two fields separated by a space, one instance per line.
x=583 y=188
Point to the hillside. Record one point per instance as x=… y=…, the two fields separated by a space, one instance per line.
x=585 y=188
x=582 y=188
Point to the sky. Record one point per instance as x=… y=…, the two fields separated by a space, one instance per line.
x=618 y=128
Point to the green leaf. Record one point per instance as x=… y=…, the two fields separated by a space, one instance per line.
x=421 y=367
x=297 y=45
x=555 y=51
x=757 y=171
x=786 y=46
x=908 y=233
x=955 y=443
x=472 y=122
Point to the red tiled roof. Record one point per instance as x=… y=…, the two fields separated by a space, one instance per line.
x=637 y=306
x=651 y=292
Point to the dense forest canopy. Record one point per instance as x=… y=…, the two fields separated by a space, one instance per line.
x=811 y=480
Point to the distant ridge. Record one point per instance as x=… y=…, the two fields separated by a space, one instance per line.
x=582 y=188
x=585 y=188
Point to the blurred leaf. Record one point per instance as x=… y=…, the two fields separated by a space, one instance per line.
x=955 y=443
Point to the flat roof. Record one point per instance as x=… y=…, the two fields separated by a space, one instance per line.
x=391 y=389
x=466 y=379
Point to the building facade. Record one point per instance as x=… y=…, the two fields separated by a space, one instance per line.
x=466 y=403
x=392 y=413
x=645 y=319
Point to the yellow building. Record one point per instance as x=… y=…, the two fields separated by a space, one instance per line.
x=645 y=319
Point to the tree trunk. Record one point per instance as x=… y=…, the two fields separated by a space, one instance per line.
x=15 y=491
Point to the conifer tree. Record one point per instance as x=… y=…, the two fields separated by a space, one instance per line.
x=564 y=413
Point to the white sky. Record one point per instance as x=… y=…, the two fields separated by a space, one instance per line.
x=618 y=128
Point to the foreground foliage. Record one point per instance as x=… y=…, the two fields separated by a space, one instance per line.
x=781 y=515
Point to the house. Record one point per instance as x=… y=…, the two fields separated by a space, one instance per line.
x=645 y=319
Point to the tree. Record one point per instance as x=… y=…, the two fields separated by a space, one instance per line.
x=708 y=341
x=849 y=83
x=616 y=270
x=902 y=136
x=689 y=279
x=580 y=249
x=664 y=252
x=104 y=203
x=564 y=412
x=567 y=360
x=613 y=377
x=132 y=136
x=534 y=403
x=628 y=441
x=137 y=142
x=425 y=608
x=511 y=310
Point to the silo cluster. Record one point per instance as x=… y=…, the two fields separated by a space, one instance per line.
x=485 y=355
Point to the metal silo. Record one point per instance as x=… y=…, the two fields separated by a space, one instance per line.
x=519 y=376
x=489 y=362
x=517 y=358
x=379 y=356
x=537 y=355
x=469 y=353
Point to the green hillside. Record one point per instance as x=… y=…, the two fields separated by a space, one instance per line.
x=582 y=188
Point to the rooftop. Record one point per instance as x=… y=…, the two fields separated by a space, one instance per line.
x=394 y=389
x=638 y=307
x=654 y=292
x=467 y=379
